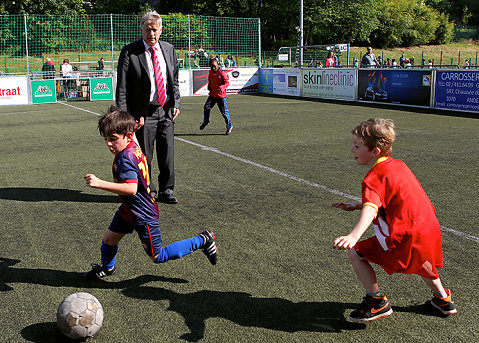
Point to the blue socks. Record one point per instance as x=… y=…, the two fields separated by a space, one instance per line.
x=108 y=253
x=179 y=249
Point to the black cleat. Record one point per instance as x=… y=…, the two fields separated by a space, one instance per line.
x=209 y=247
x=98 y=272
x=445 y=305
x=371 y=308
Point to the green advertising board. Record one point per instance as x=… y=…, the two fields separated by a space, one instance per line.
x=101 y=88
x=43 y=91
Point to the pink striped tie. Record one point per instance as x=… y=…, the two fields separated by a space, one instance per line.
x=160 y=86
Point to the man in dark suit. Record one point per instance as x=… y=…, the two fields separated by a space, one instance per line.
x=147 y=87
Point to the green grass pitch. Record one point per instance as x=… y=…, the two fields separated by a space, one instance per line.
x=266 y=190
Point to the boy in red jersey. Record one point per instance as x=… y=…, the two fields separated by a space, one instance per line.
x=139 y=209
x=217 y=83
x=408 y=236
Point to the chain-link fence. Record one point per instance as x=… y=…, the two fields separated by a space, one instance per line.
x=39 y=44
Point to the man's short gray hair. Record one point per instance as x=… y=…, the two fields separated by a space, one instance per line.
x=151 y=18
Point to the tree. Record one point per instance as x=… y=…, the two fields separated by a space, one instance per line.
x=62 y=7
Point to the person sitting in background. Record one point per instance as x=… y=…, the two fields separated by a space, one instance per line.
x=48 y=69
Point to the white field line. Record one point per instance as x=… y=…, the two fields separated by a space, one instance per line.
x=292 y=177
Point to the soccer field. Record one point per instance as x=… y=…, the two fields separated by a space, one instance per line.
x=266 y=190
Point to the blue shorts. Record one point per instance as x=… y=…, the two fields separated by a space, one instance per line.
x=149 y=234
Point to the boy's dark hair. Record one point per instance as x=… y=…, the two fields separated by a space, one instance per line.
x=116 y=121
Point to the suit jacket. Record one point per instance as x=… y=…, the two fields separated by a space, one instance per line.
x=133 y=82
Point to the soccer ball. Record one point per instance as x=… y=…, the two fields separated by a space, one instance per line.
x=80 y=316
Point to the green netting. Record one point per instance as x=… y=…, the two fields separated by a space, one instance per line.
x=313 y=55
x=26 y=41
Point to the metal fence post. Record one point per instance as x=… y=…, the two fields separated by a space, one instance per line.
x=26 y=43
x=112 y=47
x=189 y=42
x=259 y=43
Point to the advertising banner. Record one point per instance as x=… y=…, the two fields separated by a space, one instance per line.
x=184 y=82
x=200 y=82
x=43 y=91
x=242 y=80
x=101 y=88
x=457 y=90
x=409 y=87
x=14 y=90
x=266 y=81
x=329 y=83
x=286 y=82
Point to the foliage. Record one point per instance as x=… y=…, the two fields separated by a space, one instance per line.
x=43 y=7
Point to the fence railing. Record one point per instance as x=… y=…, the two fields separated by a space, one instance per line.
x=27 y=41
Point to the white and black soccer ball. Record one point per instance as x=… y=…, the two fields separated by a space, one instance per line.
x=80 y=316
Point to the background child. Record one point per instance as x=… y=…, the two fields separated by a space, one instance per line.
x=217 y=83
x=139 y=210
x=408 y=236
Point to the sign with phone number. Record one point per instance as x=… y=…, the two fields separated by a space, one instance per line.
x=457 y=90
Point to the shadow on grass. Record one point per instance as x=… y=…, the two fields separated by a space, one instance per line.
x=245 y=310
x=44 y=333
x=48 y=194
x=60 y=278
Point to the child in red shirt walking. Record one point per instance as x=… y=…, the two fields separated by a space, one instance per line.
x=217 y=83
x=408 y=236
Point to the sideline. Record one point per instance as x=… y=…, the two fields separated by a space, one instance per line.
x=292 y=177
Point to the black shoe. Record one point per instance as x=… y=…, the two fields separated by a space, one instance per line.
x=371 y=308
x=445 y=305
x=167 y=199
x=98 y=272
x=209 y=247
x=203 y=125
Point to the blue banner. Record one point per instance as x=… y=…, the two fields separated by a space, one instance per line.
x=457 y=90
x=266 y=81
x=409 y=87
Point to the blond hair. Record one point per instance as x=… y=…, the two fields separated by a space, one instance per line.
x=151 y=17
x=377 y=132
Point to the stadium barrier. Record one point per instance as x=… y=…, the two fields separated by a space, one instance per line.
x=29 y=89
x=450 y=89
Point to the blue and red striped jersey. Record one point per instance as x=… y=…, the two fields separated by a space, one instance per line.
x=130 y=166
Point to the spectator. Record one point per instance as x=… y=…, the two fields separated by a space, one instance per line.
x=48 y=69
x=355 y=62
x=101 y=64
x=402 y=61
x=466 y=64
x=330 y=62
x=379 y=61
x=319 y=64
x=369 y=60
x=388 y=62
x=394 y=63
x=408 y=63
x=430 y=64
x=66 y=69
x=412 y=60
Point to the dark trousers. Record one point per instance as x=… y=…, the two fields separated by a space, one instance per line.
x=222 y=105
x=158 y=126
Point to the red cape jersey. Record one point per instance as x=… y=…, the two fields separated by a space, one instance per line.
x=406 y=223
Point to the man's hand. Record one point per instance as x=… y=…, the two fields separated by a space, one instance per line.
x=176 y=111
x=139 y=123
